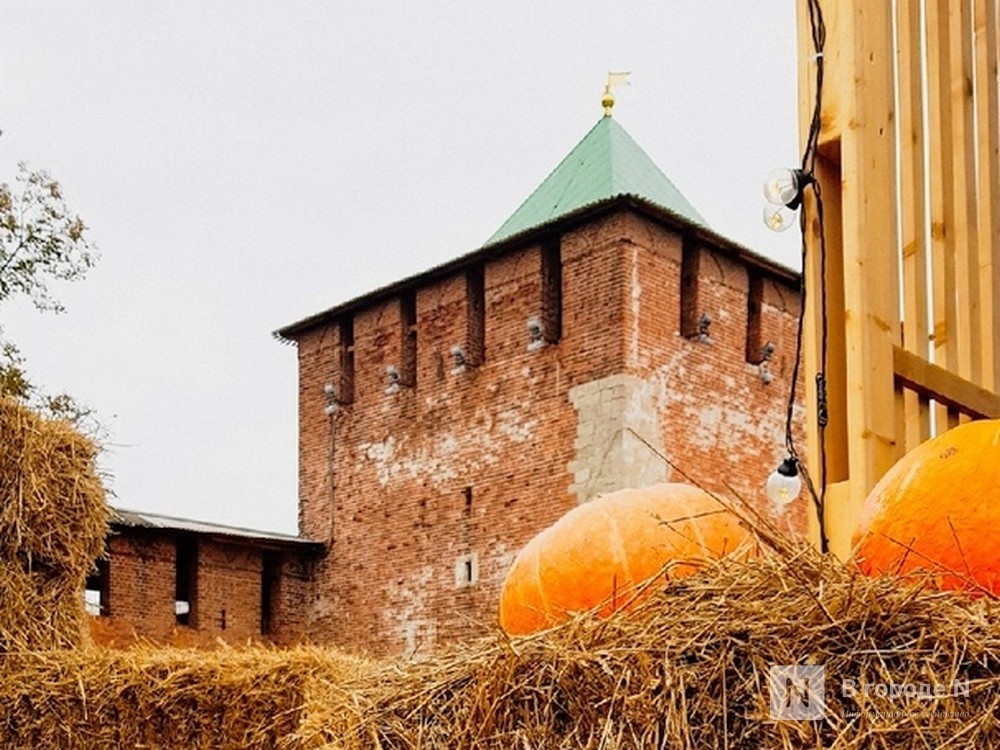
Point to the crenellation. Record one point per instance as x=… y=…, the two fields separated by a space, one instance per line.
x=531 y=431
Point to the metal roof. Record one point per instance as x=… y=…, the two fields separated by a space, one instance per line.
x=131 y=519
x=605 y=164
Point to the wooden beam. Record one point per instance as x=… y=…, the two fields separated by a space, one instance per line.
x=832 y=442
x=942 y=186
x=842 y=524
x=838 y=76
x=954 y=393
x=988 y=160
x=871 y=291
x=912 y=198
x=968 y=326
x=856 y=173
x=828 y=177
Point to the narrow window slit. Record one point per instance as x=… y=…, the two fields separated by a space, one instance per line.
x=408 y=333
x=346 y=394
x=475 y=296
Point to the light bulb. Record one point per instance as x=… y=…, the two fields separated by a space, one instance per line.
x=782 y=186
x=778 y=218
x=784 y=484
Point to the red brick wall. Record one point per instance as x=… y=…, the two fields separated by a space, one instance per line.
x=720 y=422
x=229 y=591
x=227 y=598
x=291 y=600
x=476 y=462
x=141 y=586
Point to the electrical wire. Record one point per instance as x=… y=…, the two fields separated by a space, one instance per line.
x=818 y=34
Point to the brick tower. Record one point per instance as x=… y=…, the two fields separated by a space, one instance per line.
x=447 y=418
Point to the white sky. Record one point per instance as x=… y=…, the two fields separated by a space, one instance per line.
x=245 y=164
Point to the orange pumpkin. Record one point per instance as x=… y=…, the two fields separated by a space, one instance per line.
x=600 y=552
x=938 y=510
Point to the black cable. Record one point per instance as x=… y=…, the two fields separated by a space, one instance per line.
x=818 y=32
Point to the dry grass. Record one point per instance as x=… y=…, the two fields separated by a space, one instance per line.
x=146 y=697
x=686 y=669
x=53 y=521
x=689 y=669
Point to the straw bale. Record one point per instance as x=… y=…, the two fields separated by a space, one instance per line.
x=145 y=697
x=39 y=609
x=53 y=522
x=53 y=511
x=689 y=669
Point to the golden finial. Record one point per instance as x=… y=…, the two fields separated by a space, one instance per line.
x=608 y=100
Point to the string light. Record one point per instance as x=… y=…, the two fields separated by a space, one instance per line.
x=783 y=190
x=784 y=485
x=778 y=218
x=779 y=189
x=784 y=187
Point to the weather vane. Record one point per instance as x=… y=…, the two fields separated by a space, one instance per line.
x=608 y=100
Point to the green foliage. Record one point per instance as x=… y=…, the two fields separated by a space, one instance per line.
x=13 y=381
x=41 y=241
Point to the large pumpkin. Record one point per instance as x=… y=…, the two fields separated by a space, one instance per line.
x=601 y=551
x=938 y=510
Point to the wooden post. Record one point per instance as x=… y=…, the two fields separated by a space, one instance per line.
x=870 y=264
x=988 y=162
x=859 y=119
x=913 y=204
x=942 y=188
x=968 y=321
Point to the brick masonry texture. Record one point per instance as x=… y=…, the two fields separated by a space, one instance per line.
x=227 y=594
x=414 y=490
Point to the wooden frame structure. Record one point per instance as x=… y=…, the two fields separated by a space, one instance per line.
x=908 y=288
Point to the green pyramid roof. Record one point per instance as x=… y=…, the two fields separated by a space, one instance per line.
x=607 y=163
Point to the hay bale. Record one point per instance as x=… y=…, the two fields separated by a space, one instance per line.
x=147 y=697
x=53 y=523
x=689 y=668
x=39 y=609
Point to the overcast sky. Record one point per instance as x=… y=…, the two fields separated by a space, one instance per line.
x=245 y=164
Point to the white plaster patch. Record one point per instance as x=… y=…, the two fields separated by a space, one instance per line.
x=447 y=445
x=705 y=434
x=322 y=608
x=500 y=560
x=737 y=419
x=442 y=461
x=407 y=613
x=433 y=462
x=511 y=425
x=611 y=413
x=725 y=425
x=381 y=454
